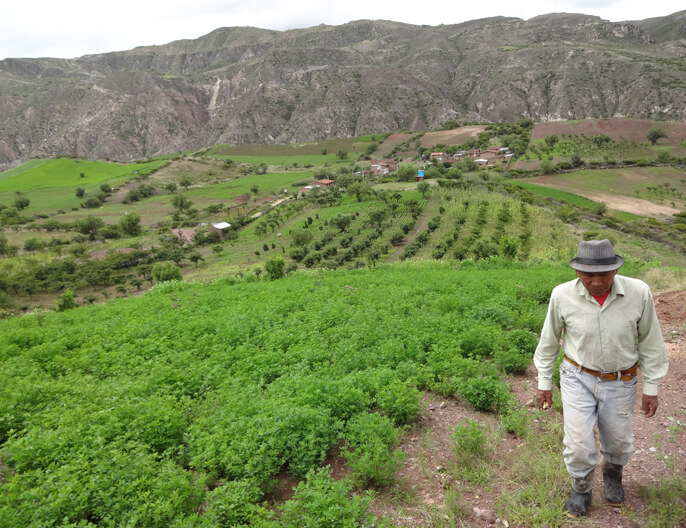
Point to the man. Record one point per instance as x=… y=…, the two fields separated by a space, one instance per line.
x=610 y=329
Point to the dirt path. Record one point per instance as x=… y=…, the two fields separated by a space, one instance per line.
x=429 y=449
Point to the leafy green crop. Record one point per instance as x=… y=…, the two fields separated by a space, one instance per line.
x=183 y=406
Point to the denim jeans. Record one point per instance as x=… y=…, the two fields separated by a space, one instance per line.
x=587 y=400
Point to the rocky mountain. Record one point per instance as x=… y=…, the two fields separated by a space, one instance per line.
x=247 y=85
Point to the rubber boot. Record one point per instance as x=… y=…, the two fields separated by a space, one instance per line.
x=612 y=483
x=580 y=496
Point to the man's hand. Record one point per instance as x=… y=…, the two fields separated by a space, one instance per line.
x=544 y=399
x=649 y=405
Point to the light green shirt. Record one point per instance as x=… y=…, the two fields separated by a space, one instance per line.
x=625 y=330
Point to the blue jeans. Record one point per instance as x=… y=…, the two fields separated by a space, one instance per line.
x=587 y=400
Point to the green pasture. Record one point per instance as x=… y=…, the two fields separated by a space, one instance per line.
x=66 y=172
x=50 y=185
x=272 y=183
x=557 y=194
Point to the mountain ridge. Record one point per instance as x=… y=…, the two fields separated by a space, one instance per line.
x=252 y=85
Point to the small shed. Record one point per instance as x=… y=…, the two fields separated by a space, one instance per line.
x=220 y=228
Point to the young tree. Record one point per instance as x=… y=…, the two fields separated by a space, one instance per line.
x=275 y=268
x=171 y=187
x=181 y=203
x=80 y=191
x=22 y=202
x=185 y=182
x=89 y=226
x=195 y=258
x=254 y=189
x=130 y=224
x=359 y=190
x=32 y=244
x=655 y=134
x=65 y=301
x=552 y=140
x=423 y=188
x=341 y=221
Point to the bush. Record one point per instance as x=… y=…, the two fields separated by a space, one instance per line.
x=511 y=361
x=166 y=271
x=371 y=453
x=65 y=301
x=321 y=501
x=399 y=401
x=484 y=393
x=275 y=268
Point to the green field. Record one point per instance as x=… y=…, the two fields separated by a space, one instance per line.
x=563 y=196
x=50 y=185
x=60 y=173
x=139 y=411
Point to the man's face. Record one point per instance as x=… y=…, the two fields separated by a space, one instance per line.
x=597 y=283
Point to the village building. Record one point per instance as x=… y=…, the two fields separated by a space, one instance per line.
x=383 y=167
x=220 y=228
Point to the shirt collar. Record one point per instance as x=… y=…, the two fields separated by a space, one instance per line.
x=616 y=289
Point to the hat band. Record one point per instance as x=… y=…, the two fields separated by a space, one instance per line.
x=596 y=261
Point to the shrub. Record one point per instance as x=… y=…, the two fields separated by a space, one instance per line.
x=165 y=271
x=515 y=420
x=483 y=393
x=275 y=268
x=399 y=401
x=511 y=361
x=321 y=501
x=397 y=238
x=65 y=301
x=371 y=453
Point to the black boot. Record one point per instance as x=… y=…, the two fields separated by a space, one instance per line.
x=612 y=483
x=580 y=497
x=578 y=504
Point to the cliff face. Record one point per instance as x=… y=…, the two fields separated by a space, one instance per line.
x=245 y=85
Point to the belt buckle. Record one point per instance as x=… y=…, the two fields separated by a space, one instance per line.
x=606 y=376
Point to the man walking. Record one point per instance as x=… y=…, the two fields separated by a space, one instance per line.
x=610 y=330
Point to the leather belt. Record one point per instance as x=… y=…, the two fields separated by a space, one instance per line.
x=624 y=375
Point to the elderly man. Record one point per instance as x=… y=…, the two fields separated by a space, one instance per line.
x=610 y=330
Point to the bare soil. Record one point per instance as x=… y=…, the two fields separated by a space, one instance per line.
x=456 y=136
x=420 y=497
x=617 y=129
x=615 y=201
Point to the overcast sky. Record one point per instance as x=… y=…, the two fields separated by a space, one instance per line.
x=72 y=28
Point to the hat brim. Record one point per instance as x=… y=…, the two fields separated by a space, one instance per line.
x=597 y=268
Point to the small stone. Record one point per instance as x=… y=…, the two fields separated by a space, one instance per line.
x=442 y=405
x=486 y=515
x=652 y=450
x=505 y=523
x=432 y=407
